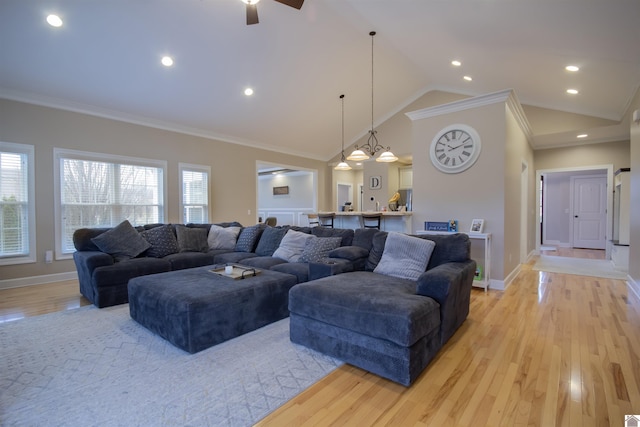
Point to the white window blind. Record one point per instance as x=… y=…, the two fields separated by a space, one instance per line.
x=195 y=193
x=17 y=226
x=102 y=193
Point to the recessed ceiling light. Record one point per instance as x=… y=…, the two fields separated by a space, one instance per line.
x=54 y=20
x=456 y=63
x=572 y=91
x=467 y=78
x=582 y=135
x=167 y=61
x=572 y=68
x=248 y=91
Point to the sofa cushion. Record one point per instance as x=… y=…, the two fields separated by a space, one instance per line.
x=248 y=238
x=192 y=239
x=368 y=303
x=119 y=273
x=351 y=253
x=345 y=234
x=121 y=242
x=300 y=270
x=182 y=260
x=317 y=249
x=292 y=246
x=263 y=262
x=162 y=240
x=404 y=256
x=377 y=248
x=449 y=248
x=363 y=237
x=223 y=237
x=270 y=240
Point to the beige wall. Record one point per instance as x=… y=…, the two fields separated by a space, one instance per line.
x=519 y=241
x=46 y=128
x=478 y=192
x=616 y=153
x=634 y=164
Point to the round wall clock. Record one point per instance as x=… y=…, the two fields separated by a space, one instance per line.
x=455 y=148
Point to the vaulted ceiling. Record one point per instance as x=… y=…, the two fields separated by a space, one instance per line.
x=106 y=59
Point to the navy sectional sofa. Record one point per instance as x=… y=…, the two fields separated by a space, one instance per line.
x=103 y=277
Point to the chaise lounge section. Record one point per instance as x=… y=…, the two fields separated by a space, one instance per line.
x=382 y=320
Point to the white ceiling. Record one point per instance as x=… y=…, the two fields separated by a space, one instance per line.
x=106 y=60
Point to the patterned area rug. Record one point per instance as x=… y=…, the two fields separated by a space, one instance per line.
x=578 y=266
x=98 y=367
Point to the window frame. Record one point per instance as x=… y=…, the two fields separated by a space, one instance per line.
x=184 y=167
x=62 y=153
x=29 y=151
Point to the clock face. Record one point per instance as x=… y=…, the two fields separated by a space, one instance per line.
x=455 y=148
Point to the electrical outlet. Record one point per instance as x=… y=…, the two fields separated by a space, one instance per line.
x=48 y=257
x=248 y=211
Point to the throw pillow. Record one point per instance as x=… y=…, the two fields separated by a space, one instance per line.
x=192 y=239
x=270 y=240
x=317 y=249
x=248 y=238
x=162 y=240
x=405 y=257
x=292 y=246
x=223 y=237
x=121 y=242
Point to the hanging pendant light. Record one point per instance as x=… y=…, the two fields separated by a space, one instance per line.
x=372 y=146
x=343 y=165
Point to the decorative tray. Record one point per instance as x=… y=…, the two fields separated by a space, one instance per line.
x=238 y=272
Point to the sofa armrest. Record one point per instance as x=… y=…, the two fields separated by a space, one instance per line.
x=450 y=285
x=332 y=267
x=351 y=253
x=90 y=260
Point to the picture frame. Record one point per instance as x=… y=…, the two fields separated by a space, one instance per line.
x=477 y=226
x=278 y=191
x=436 y=225
x=375 y=182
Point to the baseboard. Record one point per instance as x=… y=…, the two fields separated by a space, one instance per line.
x=37 y=280
x=503 y=285
x=633 y=285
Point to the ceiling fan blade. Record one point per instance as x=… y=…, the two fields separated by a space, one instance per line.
x=293 y=3
x=252 y=14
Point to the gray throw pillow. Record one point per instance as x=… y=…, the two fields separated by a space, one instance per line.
x=162 y=240
x=292 y=246
x=405 y=257
x=248 y=238
x=192 y=239
x=317 y=249
x=223 y=237
x=121 y=242
x=270 y=240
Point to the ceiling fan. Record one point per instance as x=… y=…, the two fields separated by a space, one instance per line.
x=252 y=10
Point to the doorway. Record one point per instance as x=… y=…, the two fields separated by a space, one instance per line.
x=344 y=194
x=556 y=205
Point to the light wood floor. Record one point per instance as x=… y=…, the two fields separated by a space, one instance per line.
x=551 y=350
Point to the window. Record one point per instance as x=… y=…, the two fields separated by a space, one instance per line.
x=96 y=190
x=17 y=204
x=194 y=197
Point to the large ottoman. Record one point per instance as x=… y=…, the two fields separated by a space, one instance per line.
x=195 y=309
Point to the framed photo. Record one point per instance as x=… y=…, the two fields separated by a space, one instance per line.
x=477 y=225
x=277 y=191
x=436 y=226
x=375 y=182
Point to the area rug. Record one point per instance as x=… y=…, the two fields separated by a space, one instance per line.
x=578 y=266
x=98 y=367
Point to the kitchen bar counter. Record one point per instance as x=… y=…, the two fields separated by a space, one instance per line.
x=391 y=221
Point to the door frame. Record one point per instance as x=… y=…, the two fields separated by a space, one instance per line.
x=607 y=167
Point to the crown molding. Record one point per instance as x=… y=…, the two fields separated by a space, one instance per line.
x=507 y=97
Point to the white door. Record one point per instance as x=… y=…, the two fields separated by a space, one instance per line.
x=589 y=211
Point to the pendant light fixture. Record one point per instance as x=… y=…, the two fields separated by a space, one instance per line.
x=343 y=165
x=372 y=146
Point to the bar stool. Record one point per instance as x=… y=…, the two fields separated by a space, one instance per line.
x=313 y=220
x=326 y=219
x=371 y=220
